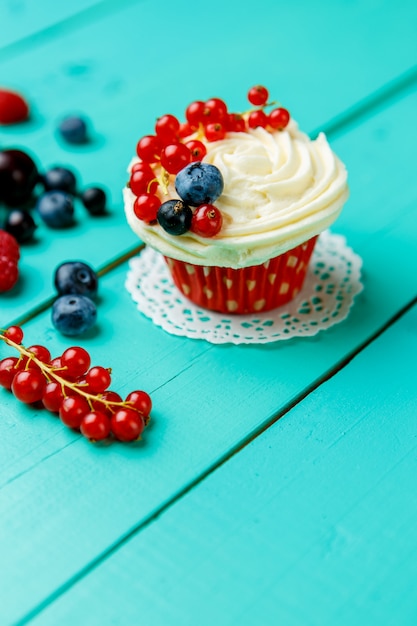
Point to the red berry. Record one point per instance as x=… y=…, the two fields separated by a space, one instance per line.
x=127 y=424
x=76 y=361
x=95 y=426
x=13 y=108
x=140 y=166
x=257 y=118
x=175 y=157
x=146 y=207
x=214 y=132
x=9 y=246
x=72 y=410
x=107 y=396
x=28 y=385
x=41 y=353
x=8 y=371
x=215 y=110
x=142 y=182
x=279 y=118
x=195 y=113
x=167 y=128
x=149 y=148
x=235 y=123
x=186 y=130
x=197 y=148
x=14 y=333
x=141 y=401
x=258 y=95
x=97 y=379
x=52 y=397
x=9 y=273
x=206 y=221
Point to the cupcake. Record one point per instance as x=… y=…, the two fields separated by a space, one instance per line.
x=234 y=202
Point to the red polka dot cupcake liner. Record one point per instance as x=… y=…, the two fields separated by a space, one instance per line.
x=246 y=290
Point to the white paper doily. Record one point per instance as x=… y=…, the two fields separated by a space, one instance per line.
x=332 y=281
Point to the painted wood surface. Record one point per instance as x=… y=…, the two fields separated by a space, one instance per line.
x=312 y=524
x=73 y=513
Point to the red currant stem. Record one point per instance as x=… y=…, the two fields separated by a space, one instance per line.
x=163 y=180
x=154 y=180
x=261 y=107
x=50 y=374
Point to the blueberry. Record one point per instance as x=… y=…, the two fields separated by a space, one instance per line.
x=175 y=217
x=199 y=183
x=56 y=208
x=60 y=179
x=94 y=200
x=76 y=277
x=73 y=314
x=20 y=224
x=73 y=129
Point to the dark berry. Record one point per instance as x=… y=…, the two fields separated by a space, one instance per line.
x=73 y=314
x=56 y=208
x=175 y=217
x=18 y=177
x=20 y=224
x=73 y=129
x=76 y=277
x=199 y=183
x=60 y=179
x=94 y=200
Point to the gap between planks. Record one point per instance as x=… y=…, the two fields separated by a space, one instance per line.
x=149 y=519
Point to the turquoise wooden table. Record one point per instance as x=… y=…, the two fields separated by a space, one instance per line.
x=275 y=484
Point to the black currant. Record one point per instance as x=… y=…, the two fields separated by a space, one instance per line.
x=175 y=217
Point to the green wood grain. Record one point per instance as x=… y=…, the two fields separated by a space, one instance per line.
x=110 y=66
x=208 y=399
x=312 y=524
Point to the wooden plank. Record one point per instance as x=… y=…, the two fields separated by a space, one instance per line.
x=208 y=399
x=312 y=524
x=121 y=94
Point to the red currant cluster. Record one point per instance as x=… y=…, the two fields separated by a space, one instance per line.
x=67 y=385
x=175 y=145
x=9 y=256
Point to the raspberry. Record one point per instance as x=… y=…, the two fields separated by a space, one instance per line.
x=8 y=273
x=13 y=108
x=8 y=246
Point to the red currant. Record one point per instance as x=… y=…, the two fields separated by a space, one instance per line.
x=97 y=379
x=8 y=371
x=72 y=410
x=167 y=128
x=13 y=108
x=279 y=118
x=215 y=110
x=127 y=424
x=14 y=333
x=76 y=361
x=140 y=166
x=186 y=130
x=195 y=113
x=206 y=221
x=258 y=95
x=149 y=148
x=214 y=132
x=141 y=401
x=107 y=396
x=175 y=157
x=142 y=182
x=235 y=123
x=28 y=385
x=257 y=118
x=95 y=426
x=41 y=353
x=197 y=148
x=52 y=397
x=146 y=207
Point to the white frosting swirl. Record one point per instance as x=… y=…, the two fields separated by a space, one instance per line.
x=280 y=190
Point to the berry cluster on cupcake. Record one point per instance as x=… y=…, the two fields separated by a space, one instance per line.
x=234 y=202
